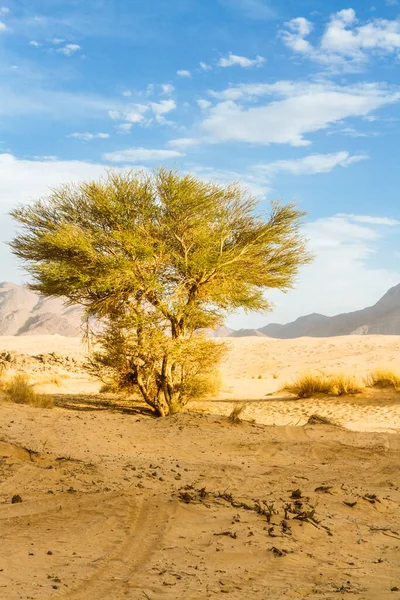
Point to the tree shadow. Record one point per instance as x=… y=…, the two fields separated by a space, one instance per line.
x=97 y=402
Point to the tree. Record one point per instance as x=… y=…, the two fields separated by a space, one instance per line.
x=157 y=258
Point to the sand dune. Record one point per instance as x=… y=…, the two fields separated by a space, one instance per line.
x=116 y=504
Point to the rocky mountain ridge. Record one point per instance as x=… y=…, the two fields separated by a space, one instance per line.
x=23 y=312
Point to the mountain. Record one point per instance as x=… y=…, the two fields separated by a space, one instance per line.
x=23 y=312
x=382 y=318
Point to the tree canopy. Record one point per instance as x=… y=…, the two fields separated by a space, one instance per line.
x=159 y=257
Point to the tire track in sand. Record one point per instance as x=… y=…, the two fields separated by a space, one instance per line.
x=146 y=521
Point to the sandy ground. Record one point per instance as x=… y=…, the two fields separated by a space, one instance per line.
x=119 y=505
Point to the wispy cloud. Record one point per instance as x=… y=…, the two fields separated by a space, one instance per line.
x=386 y=221
x=167 y=89
x=183 y=143
x=311 y=164
x=163 y=107
x=140 y=155
x=297 y=109
x=68 y=49
x=183 y=73
x=241 y=61
x=205 y=66
x=89 y=136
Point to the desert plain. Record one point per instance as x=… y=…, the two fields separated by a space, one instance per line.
x=300 y=500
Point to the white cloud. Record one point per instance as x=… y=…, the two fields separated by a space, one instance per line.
x=57 y=41
x=69 y=49
x=163 y=121
x=205 y=67
x=133 y=114
x=26 y=180
x=345 y=44
x=204 y=104
x=370 y=220
x=34 y=43
x=301 y=108
x=149 y=90
x=127 y=93
x=4 y=11
x=89 y=136
x=241 y=61
x=183 y=143
x=140 y=154
x=163 y=107
x=294 y=37
x=343 y=276
x=183 y=73
x=254 y=183
x=311 y=164
x=3 y=26
x=167 y=88
x=124 y=128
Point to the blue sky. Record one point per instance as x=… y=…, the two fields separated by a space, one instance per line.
x=297 y=100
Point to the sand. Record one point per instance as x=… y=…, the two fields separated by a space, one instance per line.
x=117 y=504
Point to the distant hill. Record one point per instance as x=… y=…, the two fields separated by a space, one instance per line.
x=382 y=318
x=23 y=312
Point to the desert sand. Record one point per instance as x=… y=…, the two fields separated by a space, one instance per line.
x=117 y=504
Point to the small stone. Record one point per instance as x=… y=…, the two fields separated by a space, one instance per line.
x=49 y=552
x=16 y=499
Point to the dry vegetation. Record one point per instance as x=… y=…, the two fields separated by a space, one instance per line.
x=383 y=378
x=311 y=384
x=19 y=390
x=235 y=416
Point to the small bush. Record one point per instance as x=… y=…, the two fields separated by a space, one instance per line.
x=108 y=388
x=310 y=384
x=20 y=391
x=234 y=417
x=345 y=385
x=383 y=378
x=319 y=420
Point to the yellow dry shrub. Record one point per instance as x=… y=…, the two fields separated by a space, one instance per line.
x=19 y=390
x=312 y=384
x=383 y=378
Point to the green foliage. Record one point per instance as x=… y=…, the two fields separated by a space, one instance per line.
x=157 y=258
x=20 y=391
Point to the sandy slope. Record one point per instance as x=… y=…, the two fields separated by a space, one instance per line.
x=117 y=505
x=113 y=509
x=255 y=368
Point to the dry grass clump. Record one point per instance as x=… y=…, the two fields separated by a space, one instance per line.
x=312 y=384
x=345 y=385
x=234 y=417
x=19 y=390
x=383 y=378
